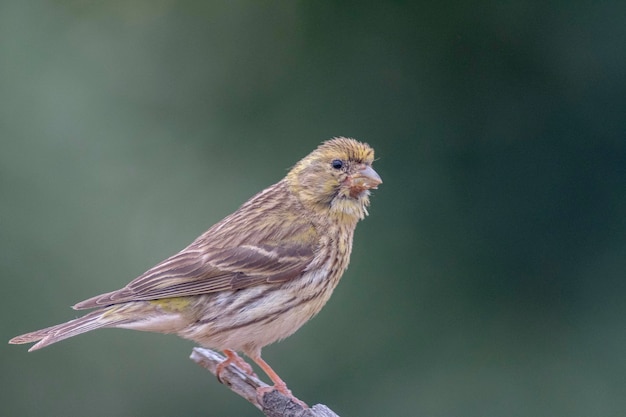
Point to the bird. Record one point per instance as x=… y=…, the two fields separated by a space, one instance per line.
x=256 y=276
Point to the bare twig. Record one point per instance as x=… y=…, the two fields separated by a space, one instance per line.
x=273 y=403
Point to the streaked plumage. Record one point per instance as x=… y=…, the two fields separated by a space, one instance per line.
x=256 y=276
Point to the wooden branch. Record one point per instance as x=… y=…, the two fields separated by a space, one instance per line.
x=273 y=403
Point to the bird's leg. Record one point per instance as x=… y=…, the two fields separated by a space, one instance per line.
x=279 y=384
x=232 y=357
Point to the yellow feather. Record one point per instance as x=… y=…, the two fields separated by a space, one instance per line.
x=174 y=304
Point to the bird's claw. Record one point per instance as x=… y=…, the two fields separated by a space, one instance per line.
x=233 y=358
x=261 y=392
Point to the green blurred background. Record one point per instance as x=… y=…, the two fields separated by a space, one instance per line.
x=488 y=279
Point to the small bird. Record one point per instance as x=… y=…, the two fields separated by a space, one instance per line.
x=256 y=276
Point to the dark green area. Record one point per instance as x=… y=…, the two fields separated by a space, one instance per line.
x=488 y=279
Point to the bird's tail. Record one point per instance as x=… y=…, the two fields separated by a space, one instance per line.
x=95 y=320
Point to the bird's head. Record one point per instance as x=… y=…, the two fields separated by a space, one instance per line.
x=337 y=176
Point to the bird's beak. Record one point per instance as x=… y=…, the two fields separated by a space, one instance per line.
x=366 y=178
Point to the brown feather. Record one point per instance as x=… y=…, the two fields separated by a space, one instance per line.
x=219 y=260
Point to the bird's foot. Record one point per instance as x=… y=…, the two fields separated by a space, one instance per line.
x=233 y=358
x=282 y=388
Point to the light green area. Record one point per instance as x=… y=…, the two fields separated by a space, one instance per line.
x=172 y=304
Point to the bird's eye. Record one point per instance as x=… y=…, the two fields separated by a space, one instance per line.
x=337 y=164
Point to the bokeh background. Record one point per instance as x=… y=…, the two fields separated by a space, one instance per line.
x=488 y=279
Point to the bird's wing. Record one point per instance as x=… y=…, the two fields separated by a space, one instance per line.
x=203 y=270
